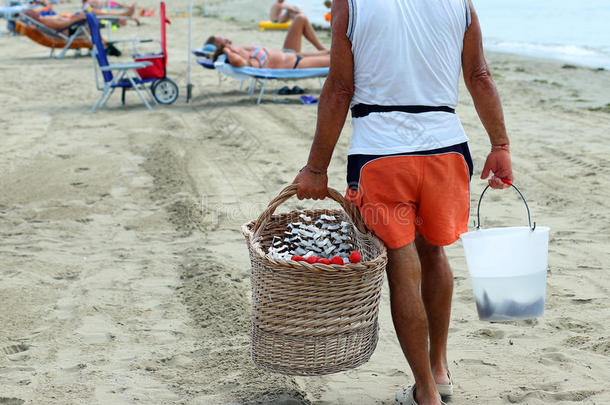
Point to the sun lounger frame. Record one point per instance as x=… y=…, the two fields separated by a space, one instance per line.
x=260 y=77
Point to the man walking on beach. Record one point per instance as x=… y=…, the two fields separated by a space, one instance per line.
x=397 y=63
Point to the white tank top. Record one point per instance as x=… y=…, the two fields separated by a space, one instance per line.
x=407 y=53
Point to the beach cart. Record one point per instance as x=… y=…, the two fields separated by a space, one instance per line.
x=164 y=90
x=313 y=318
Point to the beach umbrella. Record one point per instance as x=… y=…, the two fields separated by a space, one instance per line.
x=189 y=85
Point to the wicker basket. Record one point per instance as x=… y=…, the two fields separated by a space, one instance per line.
x=313 y=319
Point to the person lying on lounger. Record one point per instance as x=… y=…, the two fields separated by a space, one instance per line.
x=109 y=4
x=113 y=8
x=290 y=58
x=261 y=57
x=60 y=22
x=114 y=5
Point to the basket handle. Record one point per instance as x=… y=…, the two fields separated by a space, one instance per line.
x=350 y=209
x=477 y=225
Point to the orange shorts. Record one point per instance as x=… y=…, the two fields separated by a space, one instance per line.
x=424 y=192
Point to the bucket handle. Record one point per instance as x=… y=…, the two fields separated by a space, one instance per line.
x=477 y=224
x=350 y=209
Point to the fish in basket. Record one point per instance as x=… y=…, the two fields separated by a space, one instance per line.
x=313 y=317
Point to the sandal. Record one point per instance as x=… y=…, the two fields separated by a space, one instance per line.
x=406 y=396
x=309 y=100
x=284 y=90
x=445 y=389
x=297 y=90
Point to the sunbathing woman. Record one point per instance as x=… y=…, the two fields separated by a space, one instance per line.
x=261 y=57
x=300 y=28
x=60 y=22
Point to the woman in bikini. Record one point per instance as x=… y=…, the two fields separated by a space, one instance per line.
x=290 y=58
x=262 y=57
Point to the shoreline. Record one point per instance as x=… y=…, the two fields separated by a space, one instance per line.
x=547 y=59
x=581 y=95
x=244 y=12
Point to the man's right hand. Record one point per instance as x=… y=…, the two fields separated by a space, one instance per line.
x=311 y=185
x=498 y=162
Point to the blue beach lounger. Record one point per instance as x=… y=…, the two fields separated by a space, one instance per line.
x=205 y=55
x=125 y=77
x=259 y=76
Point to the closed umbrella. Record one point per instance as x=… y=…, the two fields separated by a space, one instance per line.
x=189 y=85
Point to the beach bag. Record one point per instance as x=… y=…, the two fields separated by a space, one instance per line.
x=313 y=319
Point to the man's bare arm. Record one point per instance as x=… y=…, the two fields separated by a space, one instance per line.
x=482 y=88
x=337 y=92
x=480 y=83
x=332 y=109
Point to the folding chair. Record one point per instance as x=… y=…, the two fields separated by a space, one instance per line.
x=125 y=76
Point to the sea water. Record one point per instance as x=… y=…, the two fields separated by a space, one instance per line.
x=576 y=32
x=510 y=298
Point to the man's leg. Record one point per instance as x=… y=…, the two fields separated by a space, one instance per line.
x=410 y=321
x=59 y=23
x=301 y=27
x=34 y=14
x=437 y=291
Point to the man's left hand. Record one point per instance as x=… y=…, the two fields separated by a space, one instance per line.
x=499 y=163
x=311 y=185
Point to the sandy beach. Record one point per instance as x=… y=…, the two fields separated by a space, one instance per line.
x=124 y=276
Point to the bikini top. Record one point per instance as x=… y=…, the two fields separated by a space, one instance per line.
x=260 y=54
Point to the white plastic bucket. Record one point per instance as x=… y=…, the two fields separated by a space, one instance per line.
x=507 y=268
